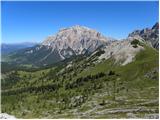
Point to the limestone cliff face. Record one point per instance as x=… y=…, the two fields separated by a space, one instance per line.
x=76 y=40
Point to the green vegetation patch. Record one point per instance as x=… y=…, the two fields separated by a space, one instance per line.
x=83 y=86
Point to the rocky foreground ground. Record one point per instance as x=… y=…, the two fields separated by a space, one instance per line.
x=6 y=116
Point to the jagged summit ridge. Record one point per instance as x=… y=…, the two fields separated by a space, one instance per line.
x=148 y=35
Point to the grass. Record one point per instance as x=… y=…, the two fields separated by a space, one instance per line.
x=128 y=85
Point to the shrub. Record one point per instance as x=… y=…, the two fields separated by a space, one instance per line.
x=135 y=42
x=111 y=73
x=102 y=103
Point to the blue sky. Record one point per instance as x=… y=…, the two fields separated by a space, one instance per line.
x=34 y=21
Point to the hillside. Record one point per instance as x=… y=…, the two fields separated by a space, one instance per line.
x=116 y=79
x=85 y=90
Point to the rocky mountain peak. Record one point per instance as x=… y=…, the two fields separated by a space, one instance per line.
x=76 y=40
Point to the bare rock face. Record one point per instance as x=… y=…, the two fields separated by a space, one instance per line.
x=75 y=40
x=149 y=35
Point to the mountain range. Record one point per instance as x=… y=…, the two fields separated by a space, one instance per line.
x=80 y=73
x=8 y=48
x=80 y=40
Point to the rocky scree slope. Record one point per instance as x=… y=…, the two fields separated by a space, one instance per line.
x=123 y=52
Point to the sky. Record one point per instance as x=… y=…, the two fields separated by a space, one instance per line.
x=34 y=21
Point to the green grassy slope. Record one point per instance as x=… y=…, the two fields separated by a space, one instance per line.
x=85 y=90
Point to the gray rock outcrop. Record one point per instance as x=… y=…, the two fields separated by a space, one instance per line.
x=149 y=35
x=6 y=116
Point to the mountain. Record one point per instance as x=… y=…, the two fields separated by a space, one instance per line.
x=119 y=79
x=8 y=48
x=125 y=51
x=67 y=42
x=75 y=40
x=149 y=35
x=80 y=40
